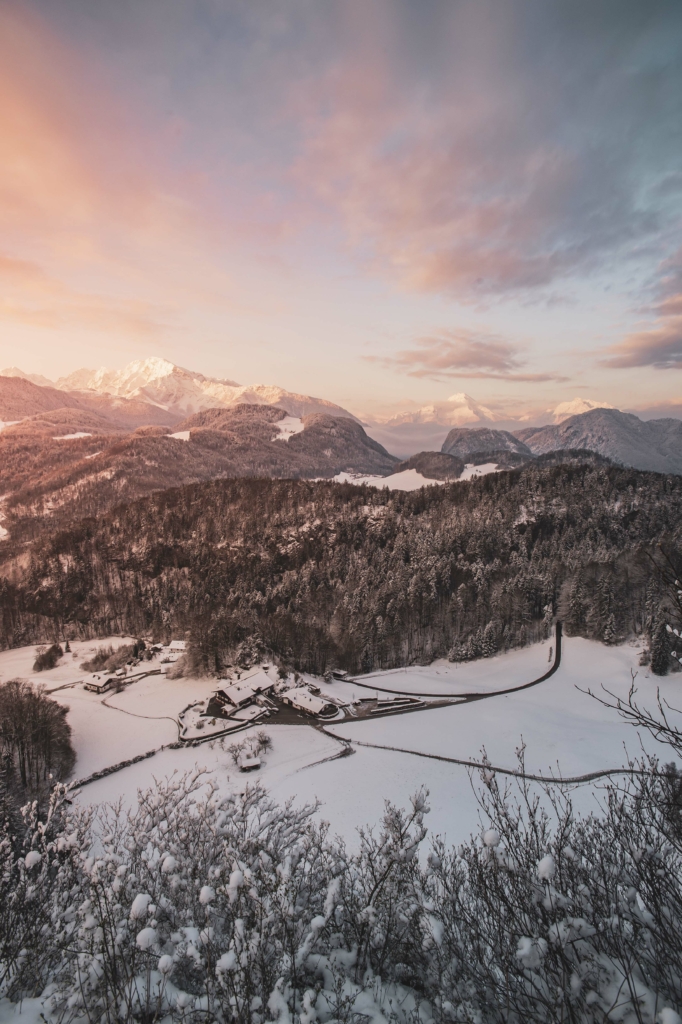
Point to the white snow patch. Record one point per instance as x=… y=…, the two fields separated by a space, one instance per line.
x=287 y=427
x=470 y=471
x=28 y=1011
x=71 y=437
x=576 y=407
x=8 y=423
x=92 y=456
x=408 y=480
x=181 y=435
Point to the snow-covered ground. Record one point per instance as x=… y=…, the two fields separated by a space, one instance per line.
x=560 y=725
x=408 y=480
x=287 y=427
x=71 y=437
x=181 y=435
x=470 y=471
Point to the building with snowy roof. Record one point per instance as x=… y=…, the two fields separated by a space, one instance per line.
x=303 y=700
x=245 y=691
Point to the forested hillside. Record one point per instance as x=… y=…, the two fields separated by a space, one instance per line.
x=325 y=574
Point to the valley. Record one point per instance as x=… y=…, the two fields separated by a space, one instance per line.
x=565 y=731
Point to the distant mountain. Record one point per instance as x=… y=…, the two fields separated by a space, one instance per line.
x=35 y=378
x=184 y=392
x=464 y=442
x=425 y=428
x=577 y=406
x=458 y=410
x=652 y=444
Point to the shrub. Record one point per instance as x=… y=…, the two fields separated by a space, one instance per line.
x=47 y=658
x=99 y=660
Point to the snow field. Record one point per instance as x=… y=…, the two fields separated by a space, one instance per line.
x=408 y=480
x=287 y=427
x=294 y=748
x=470 y=471
x=560 y=726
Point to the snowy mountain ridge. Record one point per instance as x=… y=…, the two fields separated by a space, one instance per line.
x=185 y=392
x=458 y=410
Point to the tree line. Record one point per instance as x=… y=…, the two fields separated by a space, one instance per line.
x=325 y=574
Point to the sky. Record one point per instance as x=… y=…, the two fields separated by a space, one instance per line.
x=380 y=203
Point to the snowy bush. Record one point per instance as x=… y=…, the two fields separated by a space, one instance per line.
x=196 y=907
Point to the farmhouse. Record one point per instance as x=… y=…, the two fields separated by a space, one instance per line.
x=97 y=684
x=244 y=692
x=177 y=646
x=303 y=700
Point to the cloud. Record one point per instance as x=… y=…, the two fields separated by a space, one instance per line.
x=506 y=165
x=119 y=239
x=659 y=345
x=30 y=296
x=462 y=354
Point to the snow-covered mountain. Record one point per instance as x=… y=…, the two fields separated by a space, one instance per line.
x=457 y=411
x=463 y=442
x=35 y=378
x=575 y=407
x=185 y=392
x=425 y=428
x=644 y=444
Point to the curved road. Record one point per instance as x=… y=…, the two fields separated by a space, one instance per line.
x=464 y=698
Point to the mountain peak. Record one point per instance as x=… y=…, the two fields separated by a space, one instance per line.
x=35 y=378
x=576 y=407
x=182 y=392
x=455 y=411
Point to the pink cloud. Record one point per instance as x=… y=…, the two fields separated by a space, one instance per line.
x=463 y=354
x=659 y=345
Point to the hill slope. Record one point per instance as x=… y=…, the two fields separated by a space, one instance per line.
x=46 y=473
x=464 y=442
x=20 y=398
x=326 y=573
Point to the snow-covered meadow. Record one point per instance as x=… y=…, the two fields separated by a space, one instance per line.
x=564 y=731
x=411 y=479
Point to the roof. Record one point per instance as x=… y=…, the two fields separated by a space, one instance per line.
x=238 y=693
x=259 y=682
x=246 y=689
x=178 y=645
x=303 y=698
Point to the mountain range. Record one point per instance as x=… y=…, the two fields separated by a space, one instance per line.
x=95 y=438
x=179 y=392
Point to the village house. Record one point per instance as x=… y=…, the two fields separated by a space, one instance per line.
x=303 y=700
x=98 y=684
